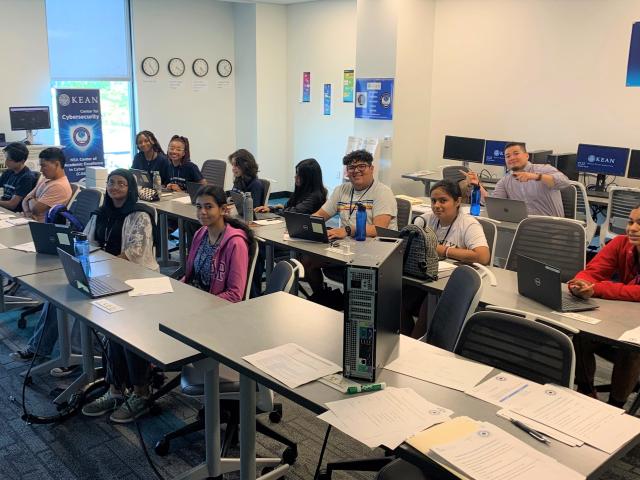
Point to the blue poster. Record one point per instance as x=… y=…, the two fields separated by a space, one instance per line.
x=327 y=99
x=374 y=98
x=80 y=126
x=633 y=68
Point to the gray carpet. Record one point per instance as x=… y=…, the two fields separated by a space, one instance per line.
x=94 y=448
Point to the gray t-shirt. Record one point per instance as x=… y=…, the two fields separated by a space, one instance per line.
x=465 y=232
x=378 y=200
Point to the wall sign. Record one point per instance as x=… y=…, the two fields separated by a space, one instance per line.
x=374 y=98
x=633 y=68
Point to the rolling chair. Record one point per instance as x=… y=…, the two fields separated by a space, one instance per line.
x=453 y=173
x=214 y=172
x=621 y=201
x=583 y=211
x=491 y=234
x=266 y=184
x=404 y=212
x=569 y=201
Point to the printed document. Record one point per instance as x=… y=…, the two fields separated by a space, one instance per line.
x=631 y=336
x=186 y=199
x=504 y=389
x=149 y=286
x=25 y=247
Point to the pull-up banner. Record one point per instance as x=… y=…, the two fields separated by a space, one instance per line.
x=80 y=127
x=633 y=68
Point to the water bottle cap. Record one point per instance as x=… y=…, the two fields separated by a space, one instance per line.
x=361 y=207
x=80 y=236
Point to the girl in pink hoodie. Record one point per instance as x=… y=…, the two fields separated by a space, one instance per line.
x=218 y=259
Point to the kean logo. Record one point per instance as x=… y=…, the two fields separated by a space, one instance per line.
x=64 y=100
x=597 y=159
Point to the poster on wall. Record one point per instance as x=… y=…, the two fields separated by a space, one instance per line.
x=374 y=98
x=327 y=99
x=633 y=67
x=80 y=126
x=306 y=87
x=347 y=86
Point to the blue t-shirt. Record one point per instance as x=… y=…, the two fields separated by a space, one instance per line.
x=180 y=175
x=159 y=164
x=20 y=184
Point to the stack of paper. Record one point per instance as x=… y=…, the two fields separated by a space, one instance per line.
x=5 y=216
x=270 y=221
x=18 y=221
x=149 y=286
x=25 y=247
x=631 y=336
x=292 y=364
x=5 y=224
x=386 y=417
x=186 y=199
x=445 y=269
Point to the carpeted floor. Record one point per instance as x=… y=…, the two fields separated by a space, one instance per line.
x=94 y=448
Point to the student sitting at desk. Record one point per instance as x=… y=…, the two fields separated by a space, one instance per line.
x=245 y=175
x=53 y=188
x=181 y=169
x=218 y=259
x=619 y=259
x=17 y=180
x=150 y=156
x=460 y=237
x=537 y=185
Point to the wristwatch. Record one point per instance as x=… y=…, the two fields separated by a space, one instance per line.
x=348 y=230
x=539 y=177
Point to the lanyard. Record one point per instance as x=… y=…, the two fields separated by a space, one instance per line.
x=352 y=208
x=448 y=230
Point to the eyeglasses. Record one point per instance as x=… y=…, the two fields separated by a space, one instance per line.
x=119 y=184
x=361 y=167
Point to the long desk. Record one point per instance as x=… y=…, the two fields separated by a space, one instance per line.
x=273 y=320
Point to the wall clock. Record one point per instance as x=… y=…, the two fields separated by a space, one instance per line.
x=176 y=67
x=150 y=66
x=224 y=68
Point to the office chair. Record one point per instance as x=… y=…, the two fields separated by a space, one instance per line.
x=621 y=201
x=491 y=234
x=583 y=211
x=454 y=173
x=552 y=240
x=266 y=184
x=404 y=212
x=214 y=172
x=282 y=279
x=85 y=202
x=569 y=201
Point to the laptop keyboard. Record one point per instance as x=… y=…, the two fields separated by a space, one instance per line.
x=570 y=302
x=99 y=287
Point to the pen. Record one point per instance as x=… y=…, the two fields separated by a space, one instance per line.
x=534 y=433
x=371 y=387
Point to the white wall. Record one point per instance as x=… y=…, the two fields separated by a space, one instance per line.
x=549 y=72
x=24 y=57
x=321 y=39
x=188 y=29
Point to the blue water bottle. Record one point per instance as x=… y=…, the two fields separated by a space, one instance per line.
x=82 y=251
x=361 y=223
x=475 y=200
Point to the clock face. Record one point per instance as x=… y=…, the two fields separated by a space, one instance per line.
x=176 y=67
x=224 y=68
x=200 y=67
x=150 y=66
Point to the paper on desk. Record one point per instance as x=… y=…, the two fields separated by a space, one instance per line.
x=292 y=364
x=443 y=433
x=386 y=417
x=504 y=390
x=25 y=247
x=445 y=269
x=287 y=238
x=602 y=426
x=274 y=221
x=149 y=286
x=579 y=317
x=492 y=454
x=2 y=247
x=420 y=360
x=186 y=199
x=5 y=216
x=545 y=430
x=19 y=221
x=631 y=336
x=5 y=224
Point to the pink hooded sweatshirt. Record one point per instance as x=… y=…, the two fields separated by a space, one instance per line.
x=229 y=265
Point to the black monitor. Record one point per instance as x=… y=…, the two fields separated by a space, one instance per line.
x=566 y=163
x=603 y=161
x=494 y=153
x=540 y=156
x=29 y=118
x=634 y=165
x=463 y=149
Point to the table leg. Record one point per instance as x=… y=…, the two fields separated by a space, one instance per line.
x=247 y=428
x=212 y=418
x=164 y=238
x=182 y=247
x=269 y=254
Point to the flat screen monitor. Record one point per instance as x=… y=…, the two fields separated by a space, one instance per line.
x=463 y=149
x=29 y=118
x=494 y=152
x=602 y=160
x=634 y=165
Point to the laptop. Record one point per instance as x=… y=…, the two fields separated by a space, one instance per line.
x=387 y=232
x=541 y=282
x=238 y=198
x=506 y=210
x=143 y=179
x=48 y=237
x=192 y=189
x=306 y=227
x=94 y=287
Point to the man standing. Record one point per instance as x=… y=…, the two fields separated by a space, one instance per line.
x=53 y=188
x=17 y=181
x=537 y=185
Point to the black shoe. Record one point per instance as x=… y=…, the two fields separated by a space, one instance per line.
x=22 y=355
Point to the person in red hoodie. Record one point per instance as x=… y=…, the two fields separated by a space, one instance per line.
x=619 y=259
x=218 y=259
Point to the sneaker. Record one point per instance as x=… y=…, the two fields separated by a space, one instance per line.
x=21 y=355
x=134 y=407
x=61 y=372
x=104 y=404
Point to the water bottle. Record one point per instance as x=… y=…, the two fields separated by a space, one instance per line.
x=81 y=250
x=475 y=200
x=247 y=207
x=157 y=183
x=361 y=223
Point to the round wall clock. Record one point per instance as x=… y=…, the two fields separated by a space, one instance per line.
x=200 y=67
x=176 y=67
x=224 y=68
x=150 y=66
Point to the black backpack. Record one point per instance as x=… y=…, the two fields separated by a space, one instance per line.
x=420 y=254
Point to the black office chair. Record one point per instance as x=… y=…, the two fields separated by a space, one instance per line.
x=264 y=201
x=404 y=212
x=401 y=470
x=491 y=234
x=454 y=173
x=569 y=201
x=86 y=201
x=214 y=172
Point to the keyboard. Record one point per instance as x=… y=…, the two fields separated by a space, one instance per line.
x=99 y=287
x=571 y=302
x=597 y=193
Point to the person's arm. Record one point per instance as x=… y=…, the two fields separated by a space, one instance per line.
x=323 y=214
x=479 y=255
x=473 y=179
x=25 y=202
x=237 y=271
x=38 y=210
x=382 y=220
x=12 y=203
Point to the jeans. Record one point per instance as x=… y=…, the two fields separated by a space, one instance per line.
x=125 y=368
x=47 y=328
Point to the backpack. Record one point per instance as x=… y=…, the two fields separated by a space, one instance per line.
x=420 y=254
x=59 y=215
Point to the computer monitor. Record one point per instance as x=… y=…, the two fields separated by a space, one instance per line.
x=29 y=119
x=566 y=163
x=463 y=148
x=634 y=165
x=603 y=161
x=540 y=156
x=494 y=153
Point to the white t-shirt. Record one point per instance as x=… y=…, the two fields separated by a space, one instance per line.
x=378 y=200
x=464 y=232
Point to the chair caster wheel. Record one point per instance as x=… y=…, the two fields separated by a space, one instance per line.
x=290 y=455
x=162 y=448
x=275 y=416
x=62 y=406
x=323 y=475
x=22 y=322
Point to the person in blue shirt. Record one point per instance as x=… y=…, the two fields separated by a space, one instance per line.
x=245 y=175
x=18 y=180
x=150 y=156
x=181 y=169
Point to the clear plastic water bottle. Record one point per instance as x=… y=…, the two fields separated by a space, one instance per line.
x=157 y=182
x=475 y=200
x=82 y=251
x=247 y=207
x=361 y=223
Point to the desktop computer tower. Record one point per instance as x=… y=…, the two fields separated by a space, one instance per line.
x=373 y=296
x=539 y=156
x=566 y=163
